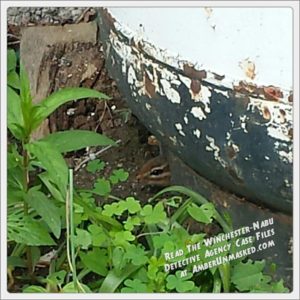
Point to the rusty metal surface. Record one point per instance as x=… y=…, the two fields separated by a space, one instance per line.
x=236 y=134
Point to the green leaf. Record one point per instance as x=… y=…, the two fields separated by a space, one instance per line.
x=15 y=120
x=96 y=260
x=13 y=80
x=134 y=286
x=122 y=238
x=98 y=235
x=118 y=258
x=16 y=261
x=26 y=100
x=114 y=278
x=27 y=231
x=45 y=207
x=154 y=215
x=82 y=238
x=95 y=165
x=131 y=222
x=55 y=100
x=180 y=284
x=136 y=255
x=11 y=60
x=133 y=205
x=52 y=161
x=34 y=289
x=118 y=175
x=72 y=140
x=71 y=288
x=56 y=278
x=248 y=275
x=102 y=187
x=203 y=214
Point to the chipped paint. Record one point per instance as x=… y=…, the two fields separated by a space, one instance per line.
x=171 y=88
x=170 y=92
x=243 y=123
x=173 y=139
x=179 y=128
x=197 y=112
x=185 y=119
x=197 y=133
x=216 y=150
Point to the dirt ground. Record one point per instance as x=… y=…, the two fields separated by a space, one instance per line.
x=82 y=64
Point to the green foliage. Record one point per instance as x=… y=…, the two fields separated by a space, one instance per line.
x=95 y=165
x=180 y=284
x=118 y=246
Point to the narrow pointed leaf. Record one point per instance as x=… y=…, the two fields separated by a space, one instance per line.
x=55 y=100
x=65 y=141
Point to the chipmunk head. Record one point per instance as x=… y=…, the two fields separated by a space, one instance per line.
x=155 y=172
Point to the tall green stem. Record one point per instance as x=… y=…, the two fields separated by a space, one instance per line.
x=26 y=186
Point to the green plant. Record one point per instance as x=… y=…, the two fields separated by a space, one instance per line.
x=121 y=245
x=34 y=208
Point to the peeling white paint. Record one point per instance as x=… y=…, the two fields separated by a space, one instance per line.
x=216 y=150
x=186 y=81
x=267 y=157
x=170 y=92
x=243 y=123
x=185 y=119
x=179 y=128
x=173 y=139
x=197 y=133
x=286 y=156
x=197 y=112
x=131 y=76
x=203 y=96
x=148 y=106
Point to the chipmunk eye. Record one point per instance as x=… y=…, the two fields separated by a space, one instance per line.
x=156 y=172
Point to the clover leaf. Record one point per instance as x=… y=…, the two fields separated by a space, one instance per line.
x=247 y=276
x=131 y=222
x=97 y=234
x=102 y=187
x=82 y=238
x=95 y=165
x=122 y=238
x=154 y=215
x=136 y=255
x=134 y=286
x=180 y=284
x=119 y=175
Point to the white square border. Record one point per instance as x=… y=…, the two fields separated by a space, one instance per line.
x=3 y=283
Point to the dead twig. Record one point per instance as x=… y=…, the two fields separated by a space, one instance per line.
x=87 y=159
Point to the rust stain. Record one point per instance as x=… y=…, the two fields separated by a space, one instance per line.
x=195 y=86
x=272 y=93
x=149 y=86
x=290 y=98
x=245 y=87
x=231 y=153
x=248 y=67
x=290 y=133
x=266 y=113
x=192 y=73
x=282 y=115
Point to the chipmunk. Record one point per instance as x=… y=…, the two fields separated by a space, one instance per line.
x=155 y=171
